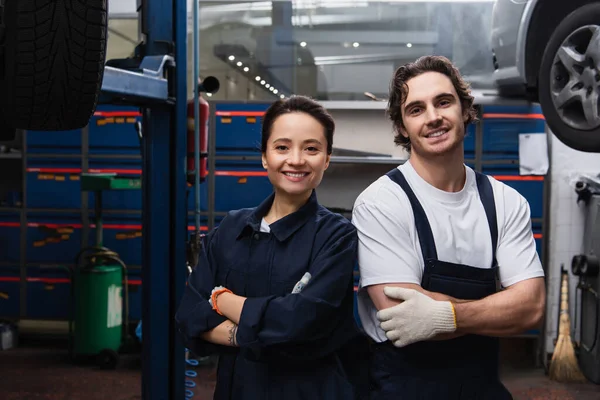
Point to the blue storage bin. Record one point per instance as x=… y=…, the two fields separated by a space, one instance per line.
x=502 y=126
x=54 y=239
x=10 y=237
x=531 y=187
x=238 y=126
x=10 y=283
x=48 y=292
x=112 y=130
x=61 y=142
x=469 y=142
x=123 y=236
x=239 y=187
x=53 y=184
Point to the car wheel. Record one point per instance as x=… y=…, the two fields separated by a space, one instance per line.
x=52 y=55
x=569 y=80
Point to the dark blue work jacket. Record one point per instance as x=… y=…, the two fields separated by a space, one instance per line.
x=291 y=346
x=464 y=368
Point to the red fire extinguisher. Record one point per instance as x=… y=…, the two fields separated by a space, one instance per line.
x=203 y=122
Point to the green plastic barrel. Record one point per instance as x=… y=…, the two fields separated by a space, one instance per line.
x=98 y=309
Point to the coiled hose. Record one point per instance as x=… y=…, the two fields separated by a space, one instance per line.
x=190 y=374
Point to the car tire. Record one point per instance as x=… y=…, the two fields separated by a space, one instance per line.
x=566 y=123
x=52 y=55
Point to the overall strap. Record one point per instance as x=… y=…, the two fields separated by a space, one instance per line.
x=486 y=194
x=421 y=222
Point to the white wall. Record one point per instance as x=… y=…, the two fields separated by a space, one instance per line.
x=566 y=228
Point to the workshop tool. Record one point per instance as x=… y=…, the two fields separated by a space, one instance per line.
x=100 y=317
x=564 y=366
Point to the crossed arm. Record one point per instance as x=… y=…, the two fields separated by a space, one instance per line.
x=512 y=311
x=289 y=323
x=224 y=334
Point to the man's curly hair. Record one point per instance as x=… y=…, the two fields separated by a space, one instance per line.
x=399 y=91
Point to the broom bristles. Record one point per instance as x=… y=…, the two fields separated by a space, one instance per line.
x=564 y=366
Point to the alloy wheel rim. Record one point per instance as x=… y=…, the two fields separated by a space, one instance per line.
x=575 y=79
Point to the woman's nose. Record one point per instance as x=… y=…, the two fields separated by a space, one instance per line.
x=296 y=158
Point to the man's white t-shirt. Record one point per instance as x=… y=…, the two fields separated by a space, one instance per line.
x=389 y=249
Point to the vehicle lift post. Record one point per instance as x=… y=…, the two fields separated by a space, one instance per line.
x=158 y=85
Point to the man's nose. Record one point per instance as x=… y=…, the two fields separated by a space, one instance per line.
x=433 y=116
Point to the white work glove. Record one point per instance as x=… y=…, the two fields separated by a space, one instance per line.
x=417 y=318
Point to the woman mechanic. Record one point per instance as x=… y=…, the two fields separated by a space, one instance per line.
x=272 y=343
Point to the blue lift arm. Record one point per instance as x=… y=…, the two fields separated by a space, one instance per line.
x=159 y=86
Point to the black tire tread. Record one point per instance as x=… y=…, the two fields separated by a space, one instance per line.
x=59 y=53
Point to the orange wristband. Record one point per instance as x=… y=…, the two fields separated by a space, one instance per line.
x=214 y=299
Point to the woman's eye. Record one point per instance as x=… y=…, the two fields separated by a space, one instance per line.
x=312 y=149
x=281 y=148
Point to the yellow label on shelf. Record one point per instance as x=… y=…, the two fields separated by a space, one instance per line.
x=49 y=287
x=74 y=177
x=251 y=120
x=39 y=243
x=59 y=178
x=120 y=120
x=64 y=230
x=243 y=180
x=225 y=120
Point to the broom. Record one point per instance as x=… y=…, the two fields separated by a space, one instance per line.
x=564 y=366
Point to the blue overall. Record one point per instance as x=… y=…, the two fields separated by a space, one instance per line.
x=462 y=368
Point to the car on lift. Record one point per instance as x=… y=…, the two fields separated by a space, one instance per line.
x=549 y=52
x=52 y=56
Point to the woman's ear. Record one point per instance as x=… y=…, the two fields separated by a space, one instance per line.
x=264 y=160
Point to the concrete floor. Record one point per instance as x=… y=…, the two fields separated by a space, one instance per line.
x=38 y=370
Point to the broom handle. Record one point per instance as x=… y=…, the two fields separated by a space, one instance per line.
x=565 y=328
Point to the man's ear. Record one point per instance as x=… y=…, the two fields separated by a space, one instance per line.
x=465 y=114
x=402 y=131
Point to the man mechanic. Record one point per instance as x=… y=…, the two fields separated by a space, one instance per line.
x=447 y=258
